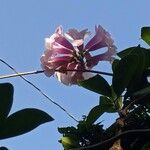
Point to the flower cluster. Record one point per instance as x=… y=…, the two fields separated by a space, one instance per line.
x=66 y=53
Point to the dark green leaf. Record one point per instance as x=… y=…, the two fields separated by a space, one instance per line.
x=97 y=84
x=123 y=73
x=141 y=92
x=22 y=122
x=94 y=114
x=6 y=99
x=145 y=34
x=3 y=148
x=126 y=52
x=119 y=103
x=143 y=62
x=67 y=130
x=115 y=63
x=117 y=100
x=141 y=52
x=146 y=146
x=106 y=105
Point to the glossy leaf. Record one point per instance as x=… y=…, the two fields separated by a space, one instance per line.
x=97 y=84
x=67 y=130
x=69 y=142
x=6 y=99
x=22 y=122
x=94 y=114
x=123 y=73
x=115 y=64
x=127 y=52
x=143 y=53
x=106 y=105
x=141 y=92
x=145 y=34
x=3 y=148
x=143 y=62
x=117 y=100
x=146 y=146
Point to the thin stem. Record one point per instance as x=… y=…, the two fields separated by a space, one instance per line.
x=21 y=74
x=57 y=70
x=137 y=132
x=38 y=89
x=85 y=70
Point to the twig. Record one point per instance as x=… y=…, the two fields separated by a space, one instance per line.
x=57 y=70
x=21 y=74
x=38 y=89
x=137 y=132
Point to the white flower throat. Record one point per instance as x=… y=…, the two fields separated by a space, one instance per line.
x=79 y=55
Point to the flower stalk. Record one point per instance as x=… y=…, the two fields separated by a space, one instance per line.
x=56 y=70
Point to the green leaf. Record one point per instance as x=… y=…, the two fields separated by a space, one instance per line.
x=67 y=130
x=22 y=122
x=143 y=53
x=106 y=105
x=139 y=80
x=117 y=100
x=3 y=148
x=69 y=142
x=146 y=146
x=97 y=84
x=127 y=51
x=94 y=114
x=123 y=73
x=145 y=34
x=6 y=99
x=115 y=64
x=141 y=92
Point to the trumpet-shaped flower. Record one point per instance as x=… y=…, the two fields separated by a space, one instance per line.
x=66 y=53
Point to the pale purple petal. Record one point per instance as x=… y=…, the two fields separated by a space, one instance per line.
x=71 y=77
x=87 y=75
x=59 y=49
x=50 y=41
x=77 y=37
x=67 y=52
x=61 y=59
x=78 y=76
x=48 y=69
x=107 y=56
x=101 y=39
x=59 y=30
x=64 y=42
x=48 y=72
x=74 y=34
x=63 y=78
x=66 y=77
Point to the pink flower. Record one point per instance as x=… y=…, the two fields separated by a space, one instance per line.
x=66 y=51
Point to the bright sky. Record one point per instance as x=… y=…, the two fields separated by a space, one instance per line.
x=23 y=27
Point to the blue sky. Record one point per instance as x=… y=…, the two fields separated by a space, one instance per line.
x=23 y=27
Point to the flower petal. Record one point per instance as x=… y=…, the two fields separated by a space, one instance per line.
x=50 y=41
x=66 y=78
x=107 y=56
x=67 y=52
x=71 y=77
x=64 y=42
x=74 y=34
x=77 y=37
x=101 y=39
